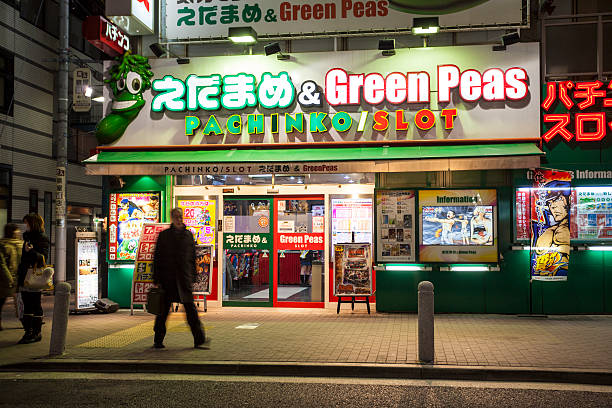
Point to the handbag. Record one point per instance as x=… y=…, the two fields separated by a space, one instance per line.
x=39 y=278
x=156 y=301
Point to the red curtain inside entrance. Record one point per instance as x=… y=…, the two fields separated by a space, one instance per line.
x=263 y=275
x=289 y=269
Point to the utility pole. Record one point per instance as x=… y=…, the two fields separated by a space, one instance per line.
x=61 y=142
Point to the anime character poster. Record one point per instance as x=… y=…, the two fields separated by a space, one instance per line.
x=458 y=226
x=550 y=225
x=127 y=213
x=199 y=216
x=352 y=269
x=201 y=286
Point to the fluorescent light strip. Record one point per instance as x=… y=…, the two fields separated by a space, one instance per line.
x=599 y=248
x=244 y=39
x=404 y=268
x=423 y=30
x=469 y=268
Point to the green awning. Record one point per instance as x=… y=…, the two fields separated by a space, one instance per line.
x=372 y=158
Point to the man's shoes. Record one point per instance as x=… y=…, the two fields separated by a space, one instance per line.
x=158 y=345
x=202 y=344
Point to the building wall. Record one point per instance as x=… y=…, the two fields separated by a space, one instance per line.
x=27 y=137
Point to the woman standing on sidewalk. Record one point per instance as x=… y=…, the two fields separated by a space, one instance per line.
x=10 y=255
x=35 y=250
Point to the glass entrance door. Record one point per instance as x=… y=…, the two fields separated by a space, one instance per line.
x=247 y=244
x=299 y=245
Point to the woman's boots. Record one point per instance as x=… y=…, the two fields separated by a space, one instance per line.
x=32 y=326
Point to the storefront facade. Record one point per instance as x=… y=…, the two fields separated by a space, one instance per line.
x=277 y=162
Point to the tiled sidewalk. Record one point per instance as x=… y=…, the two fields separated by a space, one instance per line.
x=322 y=336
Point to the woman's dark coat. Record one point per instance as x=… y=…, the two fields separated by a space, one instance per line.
x=174 y=264
x=40 y=244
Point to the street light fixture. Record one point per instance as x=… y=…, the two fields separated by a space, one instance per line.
x=159 y=51
x=274 y=48
x=242 y=35
x=387 y=46
x=425 y=25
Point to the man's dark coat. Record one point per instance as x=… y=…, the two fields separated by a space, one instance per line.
x=174 y=264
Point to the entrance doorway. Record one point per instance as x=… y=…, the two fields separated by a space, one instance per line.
x=247 y=245
x=299 y=248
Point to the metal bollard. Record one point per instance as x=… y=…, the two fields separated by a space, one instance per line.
x=60 y=319
x=426 y=322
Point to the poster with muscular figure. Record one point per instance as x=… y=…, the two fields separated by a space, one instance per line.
x=550 y=225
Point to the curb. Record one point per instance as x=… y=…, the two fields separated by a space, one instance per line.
x=281 y=369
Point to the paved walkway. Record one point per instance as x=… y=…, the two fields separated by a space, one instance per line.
x=322 y=336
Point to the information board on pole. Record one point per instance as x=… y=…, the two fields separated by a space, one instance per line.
x=87 y=288
x=142 y=278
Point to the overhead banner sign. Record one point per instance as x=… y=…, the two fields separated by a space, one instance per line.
x=419 y=94
x=210 y=19
x=550 y=224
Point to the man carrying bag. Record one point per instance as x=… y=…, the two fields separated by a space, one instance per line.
x=174 y=271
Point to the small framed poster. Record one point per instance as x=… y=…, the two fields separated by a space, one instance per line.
x=395 y=236
x=352 y=270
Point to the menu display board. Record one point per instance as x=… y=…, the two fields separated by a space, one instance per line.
x=142 y=278
x=199 y=217
x=395 y=225
x=201 y=285
x=127 y=213
x=593 y=213
x=458 y=226
x=351 y=216
x=352 y=270
x=87 y=270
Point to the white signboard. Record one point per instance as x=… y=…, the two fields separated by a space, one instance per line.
x=81 y=80
x=87 y=270
x=419 y=94
x=190 y=19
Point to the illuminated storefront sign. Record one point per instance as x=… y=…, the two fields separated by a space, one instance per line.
x=434 y=93
x=586 y=126
x=237 y=92
x=105 y=35
x=188 y=19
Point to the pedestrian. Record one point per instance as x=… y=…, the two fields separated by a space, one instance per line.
x=174 y=270
x=10 y=255
x=306 y=267
x=35 y=252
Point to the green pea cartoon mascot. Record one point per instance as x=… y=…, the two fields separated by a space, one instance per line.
x=128 y=81
x=434 y=6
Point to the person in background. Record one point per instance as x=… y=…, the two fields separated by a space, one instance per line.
x=10 y=255
x=306 y=267
x=174 y=270
x=35 y=252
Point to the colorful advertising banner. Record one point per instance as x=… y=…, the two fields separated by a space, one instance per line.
x=87 y=270
x=142 y=278
x=127 y=213
x=203 y=270
x=186 y=20
x=199 y=217
x=458 y=92
x=351 y=220
x=550 y=225
x=352 y=270
x=458 y=226
x=593 y=213
x=395 y=226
